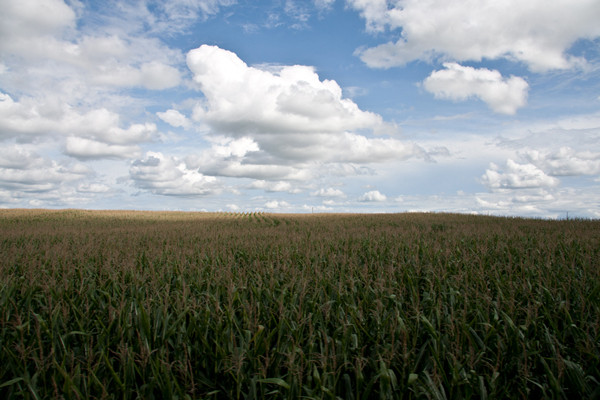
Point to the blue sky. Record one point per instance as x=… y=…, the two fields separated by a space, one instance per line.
x=469 y=106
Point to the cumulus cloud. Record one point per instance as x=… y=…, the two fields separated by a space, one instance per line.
x=86 y=149
x=174 y=118
x=273 y=204
x=565 y=161
x=236 y=168
x=95 y=134
x=23 y=170
x=460 y=83
x=516 y=176
x=372 y=196
x=289 y=114
x=31 y=117
x=244 y=100
x=298 y=160
x=121 y=61
x=37 y=30
x=228 y=157
x=536 y=32
x=166 y=175
x=278 y=186
x=33 y=18
x=330 y=192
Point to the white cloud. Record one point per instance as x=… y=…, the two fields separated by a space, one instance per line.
x=565 y=161
x=93 y=135
x=174 y=118
x=330 y=192
x=228 y=157
x=289 y=113
x=235 y=168
x=536 y=32
x=116 y=61
x=548 y=202
x=165 y=175
x=242 y=100
x=33 y=18
x=372 y=196
x=232 y=207
x=30 y=117
x=346 y=169
x=40 y=33
x=277 y=204
x=375 y=12
x=22 y=170
x=460 y=83
x=94 y=188
x=234 y=148
x=278 y=186
x=540 y=196
x=153 y=75
x=86 y=149
x=516 y=176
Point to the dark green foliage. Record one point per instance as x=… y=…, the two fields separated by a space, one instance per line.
x=130 y=305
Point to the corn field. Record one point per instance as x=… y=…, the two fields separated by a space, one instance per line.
x=169 y=305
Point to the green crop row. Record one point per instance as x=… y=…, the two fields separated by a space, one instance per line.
x=123 y=305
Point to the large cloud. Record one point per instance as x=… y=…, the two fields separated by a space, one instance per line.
x=566 y=161
x=68 y=83
x=289 y=114
x=166 y=175
x=95 y=134
x=22 y=170
x=243 y=100
x=459 y=83
x=33 y=19
x=536 y=32
x=41 y=33
x=516 y=176
x=229 y=158
x=372 y=196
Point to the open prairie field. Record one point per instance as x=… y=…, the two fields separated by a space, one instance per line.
x=169 y=305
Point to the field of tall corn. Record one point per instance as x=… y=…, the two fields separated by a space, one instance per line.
x=169 y=305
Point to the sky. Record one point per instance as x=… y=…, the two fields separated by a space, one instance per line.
x=470 y=106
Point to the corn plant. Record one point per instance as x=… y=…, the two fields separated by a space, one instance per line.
x=123 y=304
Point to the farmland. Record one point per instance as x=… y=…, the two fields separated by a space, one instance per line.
x=169 y=305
